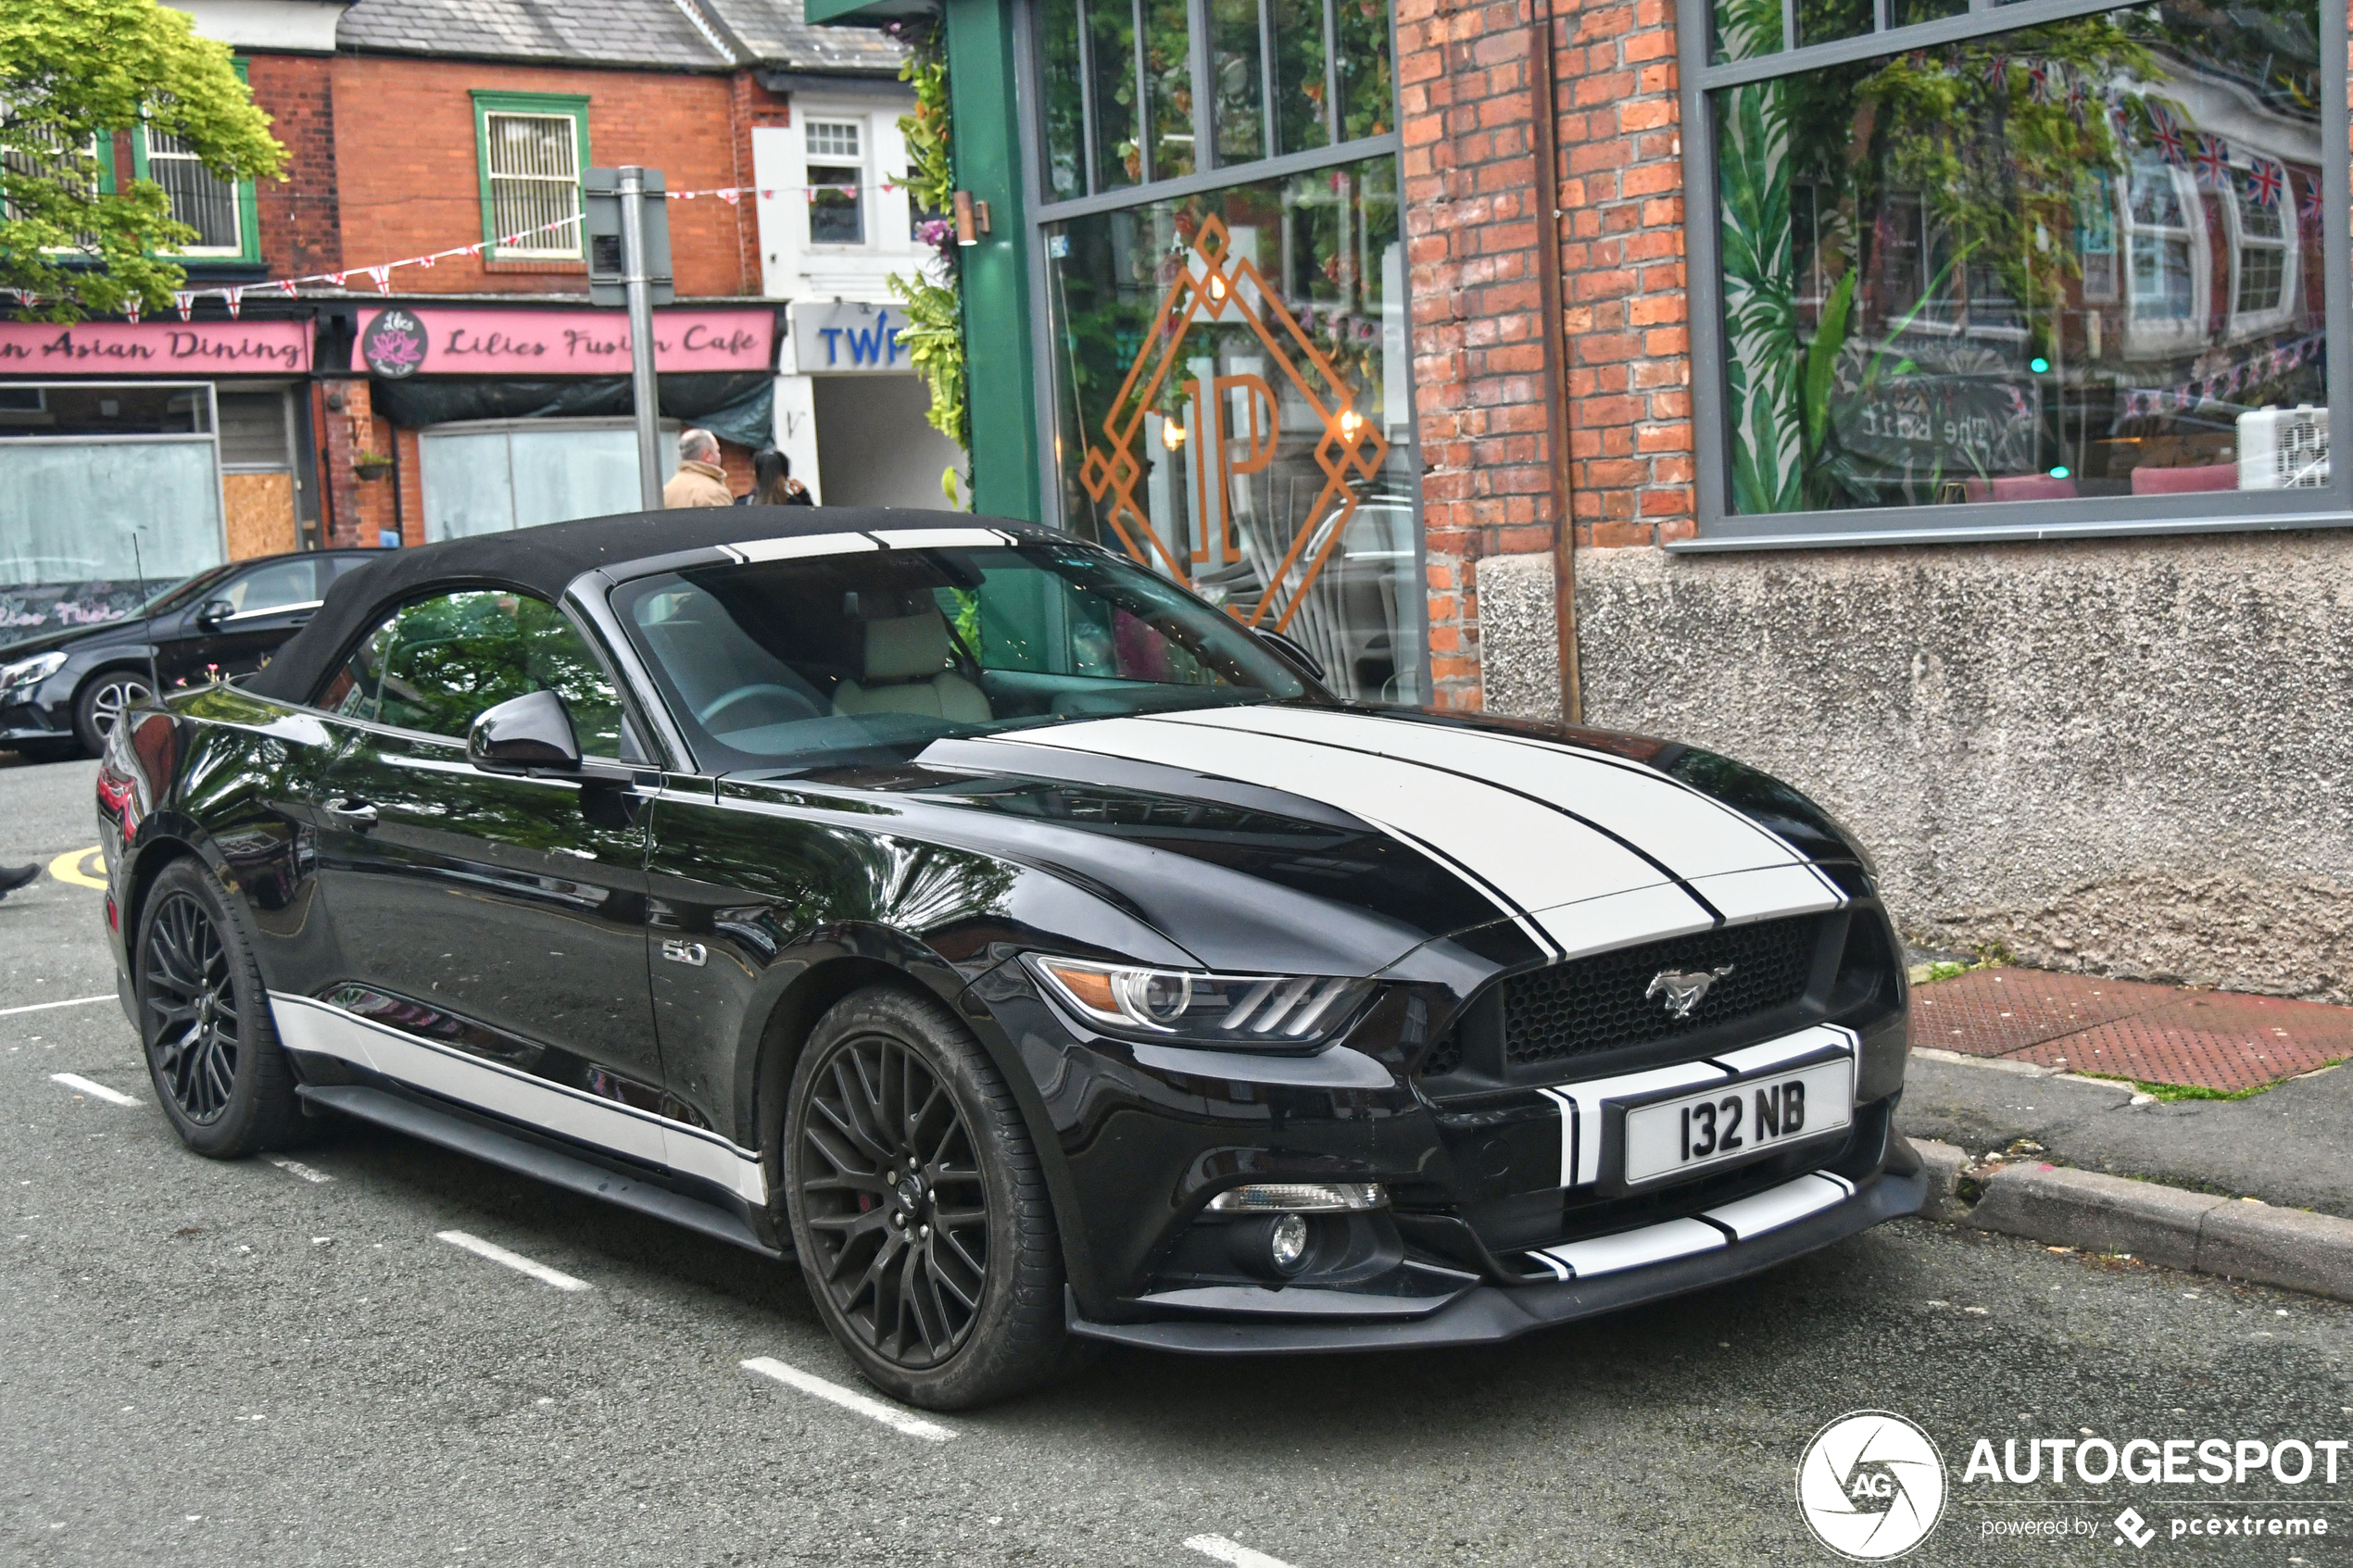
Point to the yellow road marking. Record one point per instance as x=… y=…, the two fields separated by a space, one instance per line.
x=68 y=868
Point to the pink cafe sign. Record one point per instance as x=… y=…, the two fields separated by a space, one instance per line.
x=155 y=348
x=406 y=340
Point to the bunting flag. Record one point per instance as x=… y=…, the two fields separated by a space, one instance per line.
x=2213 y=161
x=731 y=197
x=381 y=278
x=337 y=278
x=2310 y=207
x=2119 y=119
x=130 y=312
x=184 y=302
x=2038 y=80
x=1998 y=71
x=236 y=298
x=2265 y=179
x=2166 y=132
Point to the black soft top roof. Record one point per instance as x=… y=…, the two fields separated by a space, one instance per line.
x=544 y=560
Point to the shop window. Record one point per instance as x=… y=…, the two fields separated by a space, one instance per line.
x=836 y=163
x=1266 y=459
x=1120 y=105
x=2058 y=268
x=532 y=148
x=492 y=476
x=220 y=211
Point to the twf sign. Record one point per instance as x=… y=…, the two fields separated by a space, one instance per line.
x=835 y=338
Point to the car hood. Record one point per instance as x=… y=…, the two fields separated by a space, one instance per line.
x=72 y=636
x=1286 y=835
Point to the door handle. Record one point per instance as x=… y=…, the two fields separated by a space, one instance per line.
x=358 y=813
x=302 y=619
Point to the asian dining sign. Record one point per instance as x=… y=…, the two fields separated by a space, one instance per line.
x=402 y=341
x=150 y=348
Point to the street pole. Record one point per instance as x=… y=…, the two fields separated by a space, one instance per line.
x=643 y=391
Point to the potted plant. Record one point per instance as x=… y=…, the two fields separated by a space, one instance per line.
x=370 y=465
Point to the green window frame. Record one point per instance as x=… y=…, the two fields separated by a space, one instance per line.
x=247 y=249
x=533 y=188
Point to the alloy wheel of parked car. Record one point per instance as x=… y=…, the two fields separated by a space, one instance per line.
x=212 y=1048
x=918 y=1207
x=103 y=703
x=892 y=1193
x=195 y=1008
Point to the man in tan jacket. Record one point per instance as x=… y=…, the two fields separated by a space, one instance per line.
x=699 y=481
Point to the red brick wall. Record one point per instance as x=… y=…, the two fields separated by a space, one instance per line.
x=299 y=228
x=1474 y=196
x=408 y=180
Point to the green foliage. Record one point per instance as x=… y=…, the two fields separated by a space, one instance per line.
x=933 y=335
x=75 y=70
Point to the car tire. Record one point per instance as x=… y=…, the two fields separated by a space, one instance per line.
x=204 y=1021
x=966 y=1306
x=104 y=698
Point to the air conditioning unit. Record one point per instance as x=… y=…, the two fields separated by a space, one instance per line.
x=2283 y=448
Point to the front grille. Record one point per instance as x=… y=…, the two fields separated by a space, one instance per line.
x=1601 y=1003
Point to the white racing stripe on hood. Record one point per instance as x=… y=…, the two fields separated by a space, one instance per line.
x=1535 y=857
x=1689 y=832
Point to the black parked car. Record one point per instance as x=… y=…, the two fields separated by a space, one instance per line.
x=65 y=690
x=1034 y=952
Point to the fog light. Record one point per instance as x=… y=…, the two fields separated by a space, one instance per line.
x=1287 y=1244
x=1301 y=1198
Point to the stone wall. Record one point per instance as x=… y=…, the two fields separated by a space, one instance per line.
x=2130 y=756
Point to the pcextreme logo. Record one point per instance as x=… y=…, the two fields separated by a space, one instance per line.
x=1871 y=1486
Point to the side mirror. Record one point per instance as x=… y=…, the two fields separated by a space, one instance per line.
x=526 y=735
x=1293 y=652
x=212 y=612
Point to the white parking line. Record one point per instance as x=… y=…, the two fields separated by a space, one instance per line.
x=515 y=1260
x=296 y=1168
x=890 y=1415
x=80 y=1084
x=45 y=1007
x=1233 y=1552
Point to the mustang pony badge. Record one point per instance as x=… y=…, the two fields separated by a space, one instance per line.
x=1684 y=989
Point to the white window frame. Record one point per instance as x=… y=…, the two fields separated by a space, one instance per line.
x=548 y=245
x=2256 y=323
x=2149 y=337
x=154 y=156
x=863 y=161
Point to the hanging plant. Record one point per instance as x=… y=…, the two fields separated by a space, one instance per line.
x=933 y=335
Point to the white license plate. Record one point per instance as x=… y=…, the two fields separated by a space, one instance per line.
x=1736 y=1120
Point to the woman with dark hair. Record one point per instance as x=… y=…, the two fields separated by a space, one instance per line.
x=773 y=484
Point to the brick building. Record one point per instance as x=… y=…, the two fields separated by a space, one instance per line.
x=322 y=382
x=1928 y=402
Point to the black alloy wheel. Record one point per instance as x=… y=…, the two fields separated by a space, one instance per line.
x=204 y=1016
x=101 y=705
x=193 y=1008
x=892 y=1193
x=917 y=1206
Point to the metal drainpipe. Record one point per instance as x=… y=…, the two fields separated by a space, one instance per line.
x=1544 y=114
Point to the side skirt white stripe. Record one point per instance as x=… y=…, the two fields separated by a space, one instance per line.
x=308 y=1025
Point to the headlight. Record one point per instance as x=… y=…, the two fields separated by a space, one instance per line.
x=27 y=671
x=1218 y=1010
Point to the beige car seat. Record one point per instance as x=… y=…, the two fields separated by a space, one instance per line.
x=905 y=668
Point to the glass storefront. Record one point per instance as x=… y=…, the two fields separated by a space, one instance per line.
x=1228 y=358
x=2064 y=262
x=491 y=477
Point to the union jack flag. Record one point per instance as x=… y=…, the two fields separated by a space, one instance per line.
x=2119 y=118
x=2167 y=133
x=2213 y=161
x=2265 y=180
x=2309 y=207
x=2038 y=80
x=1998 y=71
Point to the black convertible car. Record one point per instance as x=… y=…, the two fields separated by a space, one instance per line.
x=1032 y=951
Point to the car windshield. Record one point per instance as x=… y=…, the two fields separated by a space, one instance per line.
x=867 y=654
x=185 y=591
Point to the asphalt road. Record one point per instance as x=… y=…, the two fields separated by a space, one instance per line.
x=266 y=1363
